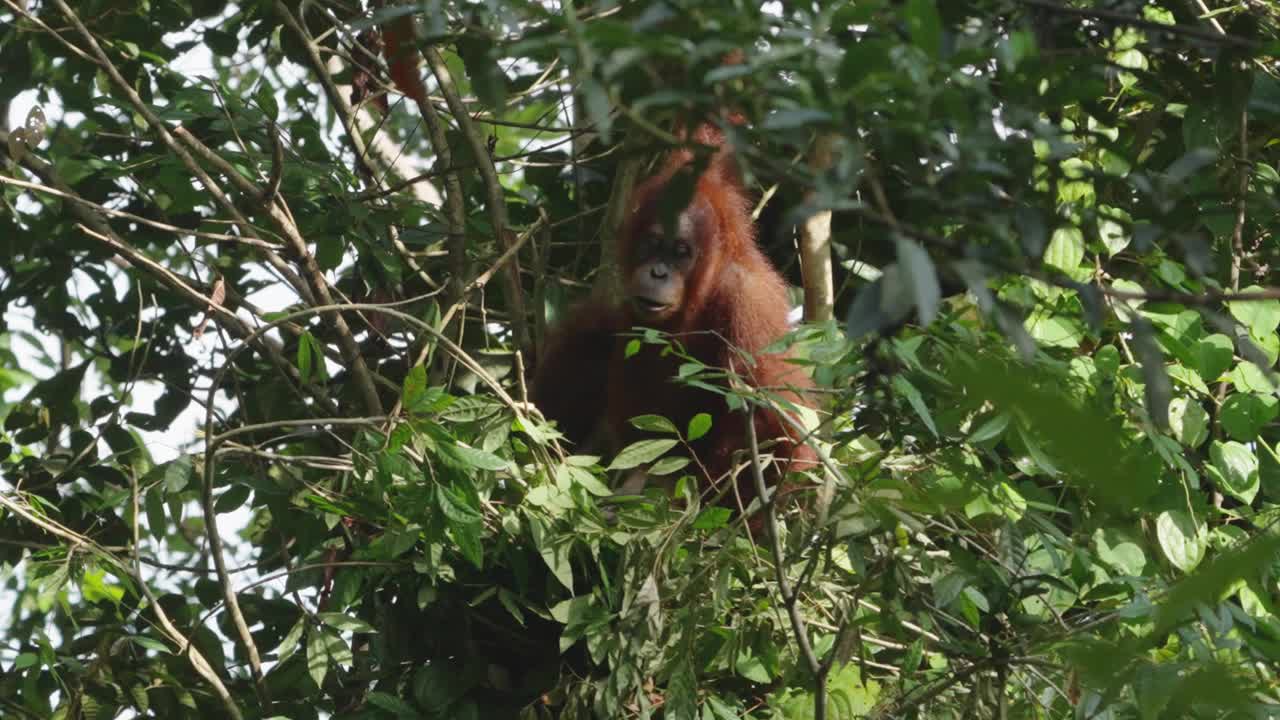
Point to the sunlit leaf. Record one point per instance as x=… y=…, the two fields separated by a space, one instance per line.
x=698 y=426
x=1235 y=468
x=654 y=423
x=1189 y=422
x=1066 y=249
x=1182 y=539
x=641 y=452
x=1260 y=316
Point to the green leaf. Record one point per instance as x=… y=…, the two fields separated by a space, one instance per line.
x=862 y=59
x=1002 y=500
x=435 y=688
x=1213 y=355
x=290 y=641
x=1189 y=422
x=1053 y=330
x=1036 y=453
x=344 y=622
x=1260 y=316
x=1107 y=360
x=1115 y=236
x=1244 y=416
x=263 y=97
x=795 y=118
x=392 y=704
x=903 y=387
x=304 y=357
x=154 y=505
x=468 y=536
x=698 y=426
x=457 y=505
x=668 y=465
x=487 y=78
x=1268 y=346
x=921 y=278
x=1188 y=377
x=1208 y=582
x=1121 y=551
x=1235 y=468
x=582 y=478
x=475 y=458
x=554 y=553
x=1066 y=249
x=176 y=475
x=1091 y=445
x=712 y=518
x=150 y=643
x=993 y=428
x=329 y=250
x=1128 y=286
x=232 y=499
x=1158 y=15
x=510 y=602
x=399 y=540
x=414 y=388
x=751 y=668
x=654 y=423
x=1182 y=539
x=1016 y=47
x=915 y=653
x=318 y=655
x=925 y=25
x=1247 y=377
x=641 y=452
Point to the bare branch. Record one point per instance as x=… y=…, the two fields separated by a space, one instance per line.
x=815 y=244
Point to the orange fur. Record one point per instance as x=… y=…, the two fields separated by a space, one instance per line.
x=733 y=301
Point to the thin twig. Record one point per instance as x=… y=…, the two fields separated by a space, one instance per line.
x=95 y=226
x=277 y=211
x=112 y=212
x=496 y=203
x=789 y=597
x=183 y=643
x=479 y=282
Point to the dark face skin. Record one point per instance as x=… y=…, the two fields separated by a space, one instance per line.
x=660 y=267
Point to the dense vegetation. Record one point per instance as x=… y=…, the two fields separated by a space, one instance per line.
x=1048 y=407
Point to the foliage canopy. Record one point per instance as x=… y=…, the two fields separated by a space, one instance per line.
x=1049 y=406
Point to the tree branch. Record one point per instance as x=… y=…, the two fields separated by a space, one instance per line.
x=815 y=243
x=496 y=204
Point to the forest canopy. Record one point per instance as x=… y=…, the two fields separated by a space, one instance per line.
x=277 y=277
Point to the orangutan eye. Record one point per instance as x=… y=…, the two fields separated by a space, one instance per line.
x=683 y=250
